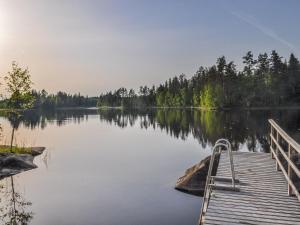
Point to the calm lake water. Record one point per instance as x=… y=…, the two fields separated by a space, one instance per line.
x=119 y=167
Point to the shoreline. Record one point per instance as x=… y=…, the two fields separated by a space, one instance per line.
x=206 y=109
x=168 y=107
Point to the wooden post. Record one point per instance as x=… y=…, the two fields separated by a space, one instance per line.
x=276 y=150
x=271 y=141
x=290 y=190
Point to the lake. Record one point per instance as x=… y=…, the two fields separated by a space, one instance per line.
x=120 y=166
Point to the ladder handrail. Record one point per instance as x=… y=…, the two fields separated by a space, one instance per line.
x=216 y=149
x=230 y=158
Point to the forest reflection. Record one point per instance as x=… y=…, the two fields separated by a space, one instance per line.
x=205 y=126
x=248 y=128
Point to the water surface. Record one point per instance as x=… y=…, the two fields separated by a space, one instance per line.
x=120 y=167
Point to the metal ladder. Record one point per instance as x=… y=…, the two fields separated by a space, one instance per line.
x=221 y=144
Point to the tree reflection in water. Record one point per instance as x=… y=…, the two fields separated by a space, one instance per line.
x=243 y=128
x=249 y=128
x=13 y=207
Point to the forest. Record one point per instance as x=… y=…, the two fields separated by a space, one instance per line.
x=268 y=80
x=43 y=100
x=61 y=99
x=265 y=81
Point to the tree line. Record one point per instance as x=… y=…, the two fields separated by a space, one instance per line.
x=61 y=99
x=129 y=98
x=268 y=80
x=43 y=100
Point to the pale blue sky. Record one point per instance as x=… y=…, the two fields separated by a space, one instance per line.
x=94 y=46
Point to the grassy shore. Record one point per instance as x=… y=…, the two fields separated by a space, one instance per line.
x=15 y=149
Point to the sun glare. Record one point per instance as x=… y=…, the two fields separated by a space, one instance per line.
x=3 y=26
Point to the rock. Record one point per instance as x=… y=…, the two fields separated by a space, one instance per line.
x=16 y=161
x=11 y=164
x=194 y=179
x=37 y=150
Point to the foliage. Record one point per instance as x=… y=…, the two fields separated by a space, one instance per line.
x=23 y=97
x=19 y=87
x=61 y=99
x=211 y=97
x=267 y=80
x=124 y=98
x=19 y=84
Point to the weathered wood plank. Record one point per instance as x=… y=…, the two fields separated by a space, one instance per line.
x=271 y=213
x=287 y=199
x=257 y=214
x=251 y=218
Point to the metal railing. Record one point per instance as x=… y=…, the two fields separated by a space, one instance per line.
x=286 y=152
x=218 y=147
x=229 y=150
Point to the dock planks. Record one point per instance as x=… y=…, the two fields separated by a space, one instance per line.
x=262 y=199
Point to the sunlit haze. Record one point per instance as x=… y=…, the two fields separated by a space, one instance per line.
x=95 y=46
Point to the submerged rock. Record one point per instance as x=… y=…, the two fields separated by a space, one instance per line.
x=11 y=163
x=194 y=179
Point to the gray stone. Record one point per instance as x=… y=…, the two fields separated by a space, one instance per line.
x=11 y=164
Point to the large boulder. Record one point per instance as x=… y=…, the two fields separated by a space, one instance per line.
x=11 y=164
x=194 y=179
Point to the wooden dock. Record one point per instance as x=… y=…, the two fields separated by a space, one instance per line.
x=266 y=192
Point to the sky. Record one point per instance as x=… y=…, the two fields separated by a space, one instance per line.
x=95 y=46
